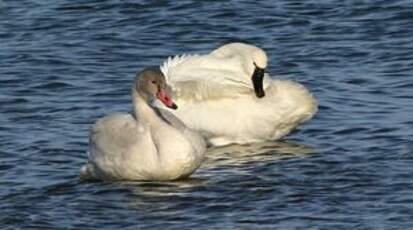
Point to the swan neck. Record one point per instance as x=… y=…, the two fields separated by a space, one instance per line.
x=142 y=110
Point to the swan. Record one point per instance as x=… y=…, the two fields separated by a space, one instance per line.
x=150 y=144
x=227 y=96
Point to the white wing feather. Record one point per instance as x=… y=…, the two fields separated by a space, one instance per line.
x=191 y=77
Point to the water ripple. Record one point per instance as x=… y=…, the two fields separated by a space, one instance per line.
x=66 y=64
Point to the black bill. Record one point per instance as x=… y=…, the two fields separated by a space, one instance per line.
x=257 y=81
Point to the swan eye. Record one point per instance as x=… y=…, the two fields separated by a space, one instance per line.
x=153 y=81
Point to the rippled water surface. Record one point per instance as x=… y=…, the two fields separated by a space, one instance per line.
x=63 y=64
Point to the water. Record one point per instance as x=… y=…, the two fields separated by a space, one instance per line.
x=66 y=63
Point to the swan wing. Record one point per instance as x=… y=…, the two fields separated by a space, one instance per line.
x=200 y=67
x=121 y=147
x=195 y=77
x=195 y=139
x=117 y=133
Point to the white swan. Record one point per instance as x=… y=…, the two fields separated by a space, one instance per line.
x=228 y=98
x=151 y=144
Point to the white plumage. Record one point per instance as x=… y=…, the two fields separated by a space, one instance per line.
x=215 y=96
x=149 y=145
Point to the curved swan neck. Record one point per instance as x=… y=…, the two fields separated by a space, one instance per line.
x=142 y=110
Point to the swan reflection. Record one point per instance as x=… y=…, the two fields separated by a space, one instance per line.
x=256 y=152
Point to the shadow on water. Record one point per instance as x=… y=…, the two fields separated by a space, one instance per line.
x=256 y=152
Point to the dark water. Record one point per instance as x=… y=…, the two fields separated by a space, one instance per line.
x=63 y=64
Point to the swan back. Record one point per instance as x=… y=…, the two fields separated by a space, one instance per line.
x=248 y=119
x=250 y=53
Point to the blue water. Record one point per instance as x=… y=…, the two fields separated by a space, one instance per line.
x=63 y=64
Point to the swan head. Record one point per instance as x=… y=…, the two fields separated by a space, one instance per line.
x=259 y=61
x=151 y=85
